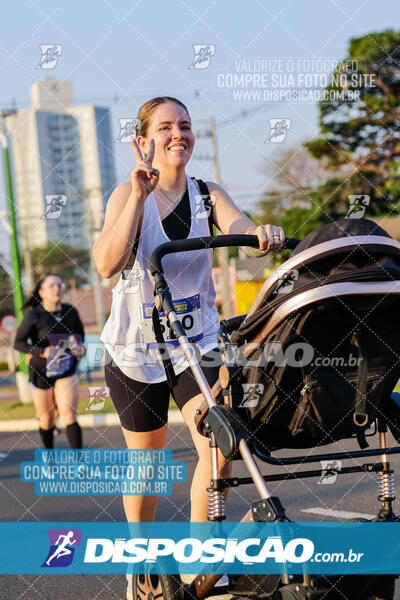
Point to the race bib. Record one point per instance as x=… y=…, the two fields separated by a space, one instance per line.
x=189 y=313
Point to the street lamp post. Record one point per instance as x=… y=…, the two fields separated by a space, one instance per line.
x=21 y=375
x=222 y=253
x=93 y=233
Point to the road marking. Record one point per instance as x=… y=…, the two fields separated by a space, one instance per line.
x=339 y=514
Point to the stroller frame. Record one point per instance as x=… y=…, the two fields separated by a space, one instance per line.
x=226 y=431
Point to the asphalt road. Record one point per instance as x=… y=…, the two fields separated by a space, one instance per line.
x=350 y=493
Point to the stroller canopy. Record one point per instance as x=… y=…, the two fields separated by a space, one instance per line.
x=349 y=250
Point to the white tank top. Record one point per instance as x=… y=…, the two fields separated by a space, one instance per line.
x=128 y=335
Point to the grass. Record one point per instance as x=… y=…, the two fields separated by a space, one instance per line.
x=17 y=410
x=11 y=389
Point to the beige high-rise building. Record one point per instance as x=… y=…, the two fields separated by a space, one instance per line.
x=63 y=166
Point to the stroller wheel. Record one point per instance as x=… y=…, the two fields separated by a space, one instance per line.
x=294 y=591
x=387 y=591
x=156 y=587
x=288 y=595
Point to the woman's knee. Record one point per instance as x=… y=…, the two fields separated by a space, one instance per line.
x=146 y=440
x=67 y=417
x=202 y=446
x=47 y=420
x=44 y=407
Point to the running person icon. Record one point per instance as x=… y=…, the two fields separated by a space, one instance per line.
x=62 y=549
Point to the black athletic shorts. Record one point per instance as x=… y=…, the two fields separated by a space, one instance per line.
x=38 y=379
x=144 y=406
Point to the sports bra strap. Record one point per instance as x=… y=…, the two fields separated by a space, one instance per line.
x=209 y=206
x=207 y=201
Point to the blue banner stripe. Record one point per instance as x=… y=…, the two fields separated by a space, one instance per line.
x=316 y=548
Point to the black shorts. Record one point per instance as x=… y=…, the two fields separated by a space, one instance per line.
x=144 y=406
x=38 y=379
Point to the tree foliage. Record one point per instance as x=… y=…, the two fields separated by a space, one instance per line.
x=358 y=150
x=66 y=261
x=293 y=174
x=360 y=127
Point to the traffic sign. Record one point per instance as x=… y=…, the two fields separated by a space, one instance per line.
x=8 y=324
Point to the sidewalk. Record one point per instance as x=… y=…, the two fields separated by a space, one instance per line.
x=99 y=420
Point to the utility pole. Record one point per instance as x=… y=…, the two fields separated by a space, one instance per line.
x=222 y=253
x=28 y=277
x=21 y=376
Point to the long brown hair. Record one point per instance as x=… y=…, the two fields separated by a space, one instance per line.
x=146 y=110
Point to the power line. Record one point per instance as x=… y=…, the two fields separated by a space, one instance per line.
x=114 y=101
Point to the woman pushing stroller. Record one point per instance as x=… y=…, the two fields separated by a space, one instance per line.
x=159 y=204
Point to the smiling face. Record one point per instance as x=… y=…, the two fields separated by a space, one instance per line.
x=52 y=289
x=171 y=130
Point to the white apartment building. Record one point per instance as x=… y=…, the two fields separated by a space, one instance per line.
x=63 y=166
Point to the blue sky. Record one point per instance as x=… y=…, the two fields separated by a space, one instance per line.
x=135 y=50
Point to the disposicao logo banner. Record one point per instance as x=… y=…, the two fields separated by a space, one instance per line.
x=111 y=472
x=319 y=548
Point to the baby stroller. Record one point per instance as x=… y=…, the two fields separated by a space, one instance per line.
x=337 y=296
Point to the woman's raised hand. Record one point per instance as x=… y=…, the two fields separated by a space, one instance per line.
x=144 y=177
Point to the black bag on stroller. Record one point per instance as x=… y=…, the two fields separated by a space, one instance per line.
x=323 y=354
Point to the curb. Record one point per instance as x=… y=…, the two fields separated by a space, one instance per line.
x=105 y=419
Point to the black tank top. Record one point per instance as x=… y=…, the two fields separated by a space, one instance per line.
x=178 y=223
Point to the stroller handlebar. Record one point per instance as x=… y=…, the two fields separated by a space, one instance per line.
x=220 y=241
x=290 y=243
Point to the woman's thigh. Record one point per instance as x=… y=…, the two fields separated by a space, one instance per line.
x=66 y=391
x=141 y=407
x=187 y=387
x=43 y=401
